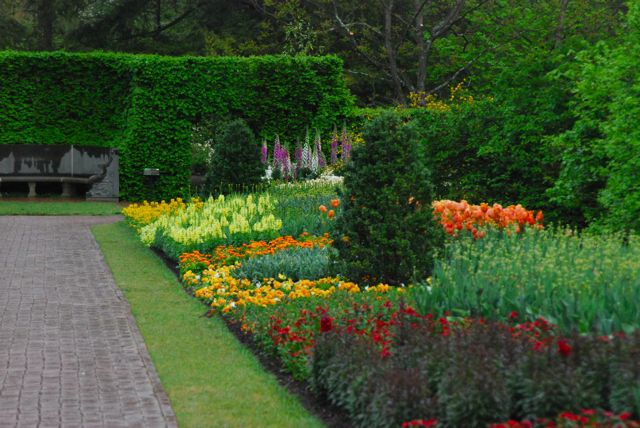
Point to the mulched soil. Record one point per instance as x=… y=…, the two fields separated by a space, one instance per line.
x=329 y=414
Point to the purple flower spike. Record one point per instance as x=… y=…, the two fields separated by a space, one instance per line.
x=277 y=155
x=286 y=163
x=277 y=148
x=297 y=155
x=306 y=156
x=346 y=145
x=334 y=147
x=322 y=161
x=265 y=153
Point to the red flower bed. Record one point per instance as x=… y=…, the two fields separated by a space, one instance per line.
x=419 y=369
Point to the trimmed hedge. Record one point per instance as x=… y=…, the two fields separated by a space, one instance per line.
x=146 y=105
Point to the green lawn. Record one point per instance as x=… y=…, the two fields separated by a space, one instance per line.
x=58 y=208
x=211 y=379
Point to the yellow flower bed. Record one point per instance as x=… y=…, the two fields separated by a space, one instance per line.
x=225 y=293
x=140 y=215
x=215 y=218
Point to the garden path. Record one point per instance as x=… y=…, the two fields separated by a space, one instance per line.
x=70 y=351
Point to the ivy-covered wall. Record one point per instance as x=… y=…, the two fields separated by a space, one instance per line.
x=147 y=105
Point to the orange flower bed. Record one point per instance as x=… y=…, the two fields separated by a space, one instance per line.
x=456 y=216
x=195 y=257
x=228 y=254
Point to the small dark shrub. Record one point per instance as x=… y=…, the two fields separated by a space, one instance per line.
x=236 y=158
x=386 y=232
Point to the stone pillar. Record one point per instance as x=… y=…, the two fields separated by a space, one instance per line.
x=32 y=189
x=68 y=190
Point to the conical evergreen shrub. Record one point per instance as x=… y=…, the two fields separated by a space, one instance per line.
x=386 y=232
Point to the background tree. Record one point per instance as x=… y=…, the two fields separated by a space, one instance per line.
x=390 y=47
x=600 y=173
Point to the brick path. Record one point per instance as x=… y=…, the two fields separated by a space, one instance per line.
x=70 y=351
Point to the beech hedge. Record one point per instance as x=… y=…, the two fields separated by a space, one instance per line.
x=147 y=105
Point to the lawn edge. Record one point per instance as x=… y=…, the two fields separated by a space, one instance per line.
x=297 y=409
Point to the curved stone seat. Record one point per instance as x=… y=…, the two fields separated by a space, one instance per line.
x=69 y=165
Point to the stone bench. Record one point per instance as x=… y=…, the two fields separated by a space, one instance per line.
x=95 y=167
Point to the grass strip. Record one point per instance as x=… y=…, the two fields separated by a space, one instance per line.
x=58 y=208
x=211 y=379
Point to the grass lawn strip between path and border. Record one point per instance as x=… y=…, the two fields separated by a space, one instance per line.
x=210 y=378
x=58 y=208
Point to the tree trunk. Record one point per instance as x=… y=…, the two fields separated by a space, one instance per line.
x=391 y=53
x=422 y=47
x=45 y=16
x=158 y=15
x=564 y=4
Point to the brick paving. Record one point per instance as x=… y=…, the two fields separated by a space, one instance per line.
x=70 y=351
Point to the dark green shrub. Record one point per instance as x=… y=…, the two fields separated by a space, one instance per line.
x=386 y=231
x=236 y=158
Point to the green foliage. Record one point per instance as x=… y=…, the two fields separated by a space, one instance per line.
x=496 y=149
x=298 y=205
x=63 y=99
x=492 y=151
x=295 y=263
x=201 y=149
x=484 y=38
x=601 y=159
x=386 y=231
x=147 y=105
x=580 y=282
x=236 y=157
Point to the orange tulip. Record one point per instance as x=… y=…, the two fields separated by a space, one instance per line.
x=331 y=214
x=335 y=203
x=323 y=209
x=455 y=216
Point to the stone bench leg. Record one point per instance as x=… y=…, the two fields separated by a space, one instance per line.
x=68 y=190
x=32 y=190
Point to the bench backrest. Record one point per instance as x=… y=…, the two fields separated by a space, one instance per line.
x=52 y=160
